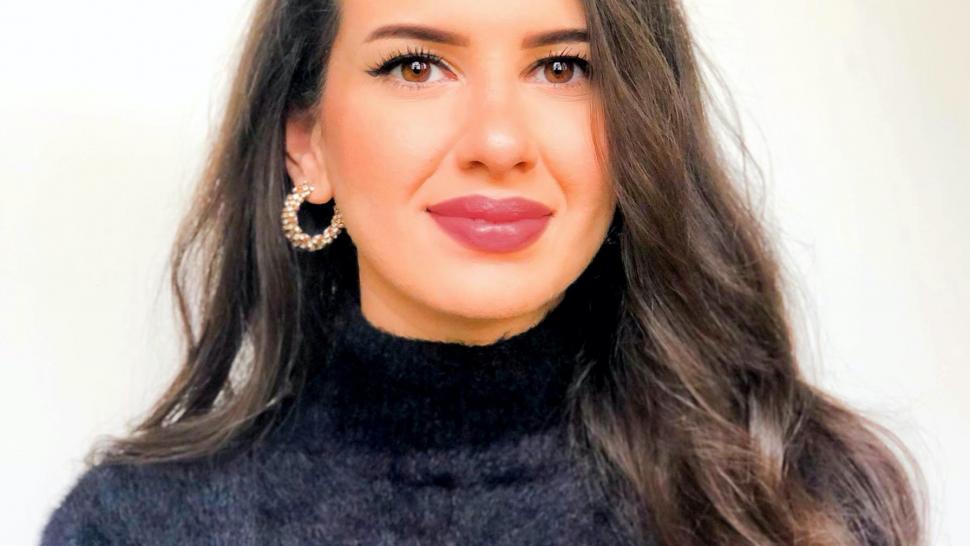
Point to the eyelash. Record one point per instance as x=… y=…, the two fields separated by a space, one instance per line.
x=389 y=63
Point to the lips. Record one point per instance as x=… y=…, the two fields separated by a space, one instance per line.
x=492 y=225
x=493 y=210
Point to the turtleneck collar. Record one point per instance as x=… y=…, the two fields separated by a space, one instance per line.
x=383 y=391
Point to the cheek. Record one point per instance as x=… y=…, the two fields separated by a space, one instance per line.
x=571 y=159
x=371 y=161
x=377 y=151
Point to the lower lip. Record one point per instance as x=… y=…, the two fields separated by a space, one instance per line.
x=492 y=237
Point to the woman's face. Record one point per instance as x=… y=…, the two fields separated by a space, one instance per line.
x=472 y=109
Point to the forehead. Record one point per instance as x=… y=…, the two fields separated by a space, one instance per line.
x=479 y=20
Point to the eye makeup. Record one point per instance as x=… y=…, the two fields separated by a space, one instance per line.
x=389 y=63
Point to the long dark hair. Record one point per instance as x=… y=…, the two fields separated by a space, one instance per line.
x=690 y=404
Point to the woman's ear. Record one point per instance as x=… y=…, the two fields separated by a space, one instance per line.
x=304 y=157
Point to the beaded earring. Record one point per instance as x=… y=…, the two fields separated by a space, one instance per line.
x=291 y=227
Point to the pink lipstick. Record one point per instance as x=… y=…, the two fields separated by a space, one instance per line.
x=492 y=225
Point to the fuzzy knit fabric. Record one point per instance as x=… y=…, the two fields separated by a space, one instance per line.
x=392 y=441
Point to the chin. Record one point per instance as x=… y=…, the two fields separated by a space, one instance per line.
x=492 y=300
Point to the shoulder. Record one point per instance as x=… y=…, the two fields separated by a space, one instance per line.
x=112 y=503
x=84 y=516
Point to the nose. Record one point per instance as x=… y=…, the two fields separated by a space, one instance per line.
x=495 y=136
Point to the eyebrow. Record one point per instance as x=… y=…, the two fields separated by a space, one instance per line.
x=431 y=34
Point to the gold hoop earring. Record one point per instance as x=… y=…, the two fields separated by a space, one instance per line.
x=291 y=227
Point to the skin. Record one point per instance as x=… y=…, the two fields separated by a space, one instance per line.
x=485 y=119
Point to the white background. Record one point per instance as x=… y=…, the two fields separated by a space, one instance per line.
x=857 y=110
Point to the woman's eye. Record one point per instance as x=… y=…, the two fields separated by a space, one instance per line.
x=415 y=70
x=563 y=70
x=411 y=70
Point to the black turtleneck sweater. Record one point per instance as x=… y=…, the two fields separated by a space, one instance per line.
x=393 y=441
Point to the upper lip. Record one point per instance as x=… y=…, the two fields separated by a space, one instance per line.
x=508 y=209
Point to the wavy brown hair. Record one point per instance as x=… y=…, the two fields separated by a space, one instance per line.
x=690 y=404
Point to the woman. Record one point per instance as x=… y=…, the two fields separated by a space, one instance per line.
x=551 y=319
